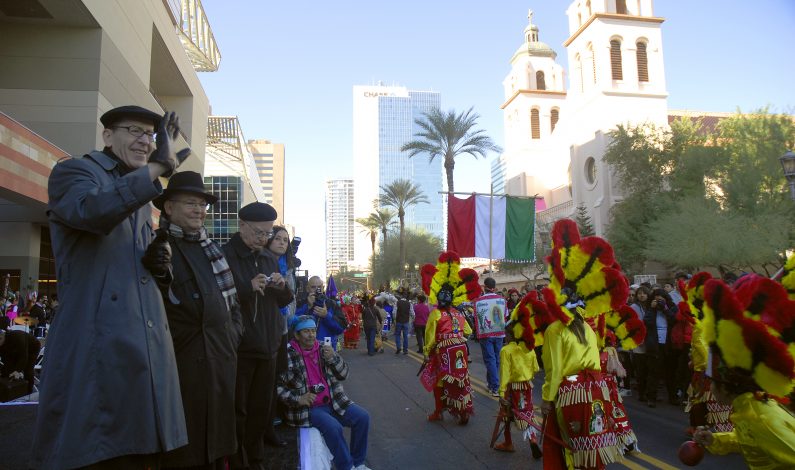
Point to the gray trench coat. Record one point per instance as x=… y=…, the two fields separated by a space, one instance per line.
x=109 y=382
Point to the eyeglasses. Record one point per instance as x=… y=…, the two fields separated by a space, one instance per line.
x=194 y=205
x=259 y=233
x=137 y=132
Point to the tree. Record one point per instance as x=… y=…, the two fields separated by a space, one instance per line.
x=584 y=221
x=370 y=226
x=385 y=219
x=421 y=247
x=698 y=198
x=400 y=195
x=448 y=135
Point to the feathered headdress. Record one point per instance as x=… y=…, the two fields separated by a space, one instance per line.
x=628 y=328
x=752 y=328
x=529 y=319
x=788 y=277
x=586 y=267
x=448 y=272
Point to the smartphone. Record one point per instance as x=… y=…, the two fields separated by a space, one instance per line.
x=327 y=340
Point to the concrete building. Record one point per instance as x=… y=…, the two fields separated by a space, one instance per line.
x=555 y=137
x=383 y=121
x=269 y=159
x=64 y=63
x=339 y=224
x=231 y=174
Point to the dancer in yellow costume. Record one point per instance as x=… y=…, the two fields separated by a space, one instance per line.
x=445 y=370
x=750 y=328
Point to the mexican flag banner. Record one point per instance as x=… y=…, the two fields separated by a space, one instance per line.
x=505 y=222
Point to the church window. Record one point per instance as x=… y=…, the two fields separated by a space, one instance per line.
x=578 y=66
x=540 y=84
x=643 y=62
x=621 y=7
x=535 y=127
x=590 y=170
x=553 y=118
x=615 y=59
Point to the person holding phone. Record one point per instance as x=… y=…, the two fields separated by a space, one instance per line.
x=323 y=309
x=311 y=387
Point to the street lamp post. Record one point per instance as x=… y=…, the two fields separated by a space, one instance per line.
x=788 y=163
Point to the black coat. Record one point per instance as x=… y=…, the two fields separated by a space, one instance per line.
x=263 y=323
x=206 y=334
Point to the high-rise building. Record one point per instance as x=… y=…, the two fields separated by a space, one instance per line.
x=229 y=173
x=383 y=121
x=269 y=158
x=339 y=224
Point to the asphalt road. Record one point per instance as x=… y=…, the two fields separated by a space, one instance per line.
x=401 y=437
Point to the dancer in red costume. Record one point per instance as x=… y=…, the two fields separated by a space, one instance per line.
x=352 y=309
x=445 y=370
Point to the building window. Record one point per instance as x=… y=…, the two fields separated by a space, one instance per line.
x=588 y=7
x=615 y=59
x=593 y=61
x=578 y=65
x=540 y=84
x=643 y=62
x=621 y=7
x=553 y=119
x=590 y=170
x=535 y=127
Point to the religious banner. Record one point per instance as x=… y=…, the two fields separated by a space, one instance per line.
x=490 y=316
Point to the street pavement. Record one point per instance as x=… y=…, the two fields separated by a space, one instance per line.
x=402 y=439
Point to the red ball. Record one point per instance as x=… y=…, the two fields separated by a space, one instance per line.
x=691 y=453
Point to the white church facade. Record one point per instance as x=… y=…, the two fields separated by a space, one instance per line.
x=555 y=136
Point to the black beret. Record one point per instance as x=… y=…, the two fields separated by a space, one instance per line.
x=131 y=111
x=257 y=212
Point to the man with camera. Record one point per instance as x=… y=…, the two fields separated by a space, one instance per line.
x=262 y=292
x=324 y=310
x=312 y=390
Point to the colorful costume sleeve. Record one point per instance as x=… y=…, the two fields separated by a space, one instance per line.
x=764 y=433
x=430 y=332
x=505 y=368
x=698 y=350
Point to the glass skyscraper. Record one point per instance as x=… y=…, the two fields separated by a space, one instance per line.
x=383 y=121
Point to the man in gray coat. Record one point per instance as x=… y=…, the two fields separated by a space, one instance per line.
x=109 y=395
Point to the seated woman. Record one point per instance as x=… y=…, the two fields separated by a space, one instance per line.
x=312 y=390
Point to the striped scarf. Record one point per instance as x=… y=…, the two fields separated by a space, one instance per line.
x=223 y=275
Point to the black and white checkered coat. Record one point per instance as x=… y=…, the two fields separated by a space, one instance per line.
x=291 y=384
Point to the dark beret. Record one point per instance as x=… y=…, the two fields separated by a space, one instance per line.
x=257 y=212
x=129 y=112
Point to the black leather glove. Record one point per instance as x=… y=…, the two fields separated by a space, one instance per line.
x=157 y=258
x=166 y=153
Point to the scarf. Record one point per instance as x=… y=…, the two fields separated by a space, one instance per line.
x=223 y=275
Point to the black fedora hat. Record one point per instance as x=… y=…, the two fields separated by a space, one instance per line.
x=130 y=111
x=184 y=182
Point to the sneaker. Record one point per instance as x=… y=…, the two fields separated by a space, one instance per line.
x=625 y=392
x=362 y=467
x=405 y=352
x=504 y=447
x=495 y=393
x=397 y=352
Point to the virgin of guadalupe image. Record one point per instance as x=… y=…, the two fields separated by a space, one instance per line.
x=597 y=419
x=459 y=360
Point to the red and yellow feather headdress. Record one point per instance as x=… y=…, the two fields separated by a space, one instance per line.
x=529 y=319
x=463 y=282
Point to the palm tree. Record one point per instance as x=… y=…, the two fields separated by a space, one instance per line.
x=385 y=219
x=370 y=226
x=449 y=135
x=401 y=194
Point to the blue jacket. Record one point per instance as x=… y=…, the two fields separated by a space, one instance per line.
x=327 y=326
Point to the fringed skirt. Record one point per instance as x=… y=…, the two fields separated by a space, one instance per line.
x=700 y=391
x=351 y=336
x=448 y=370
x=584 y=411
x=623 y=428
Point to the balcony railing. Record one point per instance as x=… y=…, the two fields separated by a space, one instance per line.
x=195 y=33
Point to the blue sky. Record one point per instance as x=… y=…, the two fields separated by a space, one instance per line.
x=288 y=69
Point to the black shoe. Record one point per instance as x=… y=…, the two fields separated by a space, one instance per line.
x=405 y=351
x=397 y=351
